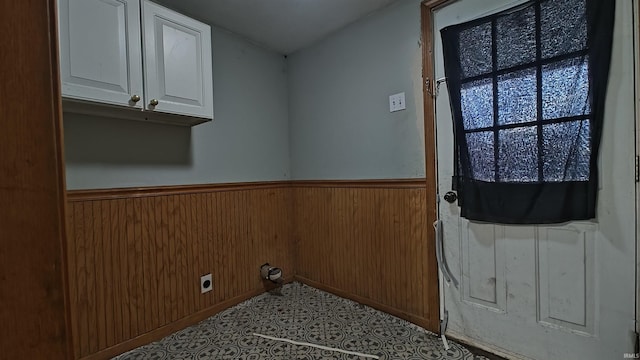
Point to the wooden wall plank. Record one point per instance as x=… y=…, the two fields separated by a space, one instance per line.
x=132 y=256
x=160 y=229
x=189 y=285
x=73 y=281
x=81 y=277
x=143 y=245
x=208 y=211
x=139 y=267
x=172 y=258
x=109 y=310
x=100 y=290
x=221 y=251
x=179 y=301
x=115 y=273
x=166 y=263
x=123 y=281
x=197 y=267
x=221 y=240
x=90 y=270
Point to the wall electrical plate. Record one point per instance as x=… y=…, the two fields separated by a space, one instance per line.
x=396 y=102
x=206 y=283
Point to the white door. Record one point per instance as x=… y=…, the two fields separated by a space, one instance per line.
x=100 y=51
x=547 y=292
x=177 y=52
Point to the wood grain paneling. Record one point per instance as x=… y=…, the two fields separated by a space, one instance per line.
x=369 y=243
x=136 y=258
x=137 y=254
x=33 y=291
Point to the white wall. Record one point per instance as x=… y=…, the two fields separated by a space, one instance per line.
x=247 y=141
x=340 y=125
x=321 y=114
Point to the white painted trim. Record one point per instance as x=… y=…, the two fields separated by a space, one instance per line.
x=636 y=75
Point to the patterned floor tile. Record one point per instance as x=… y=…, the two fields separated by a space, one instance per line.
x=304 y=314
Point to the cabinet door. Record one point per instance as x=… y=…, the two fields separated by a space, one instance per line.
x=100 y=51
x=177 y=52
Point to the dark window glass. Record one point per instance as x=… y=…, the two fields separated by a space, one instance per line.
x=475 y=50
x=516 y=38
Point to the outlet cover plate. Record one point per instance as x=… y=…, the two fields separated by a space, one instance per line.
x=206 y=283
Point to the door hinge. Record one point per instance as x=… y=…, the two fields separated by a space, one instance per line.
x=637 y=168
x=428 y=87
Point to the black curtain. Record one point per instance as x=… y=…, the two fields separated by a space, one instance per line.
x=527 y=91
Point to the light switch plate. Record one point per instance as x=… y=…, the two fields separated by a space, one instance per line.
x=396 y=102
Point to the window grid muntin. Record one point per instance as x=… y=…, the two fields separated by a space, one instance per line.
x=530 y=123
x=542 y=62
x=539 y=93
x=539 y=122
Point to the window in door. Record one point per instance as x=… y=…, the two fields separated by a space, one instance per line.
x=527 y=92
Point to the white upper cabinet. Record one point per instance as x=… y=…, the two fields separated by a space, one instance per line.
x=177 y=50
x=106 y=44
x=100 y=51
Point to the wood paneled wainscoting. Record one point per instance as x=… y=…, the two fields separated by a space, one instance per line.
x=136 y=257
x=369 y=241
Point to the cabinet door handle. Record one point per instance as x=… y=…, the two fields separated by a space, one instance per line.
x=135 y=98
x=153 y=102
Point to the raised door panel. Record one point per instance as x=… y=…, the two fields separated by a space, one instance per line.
x=566 y=281
x=100 y=51
x=177 y=63
x=483 y=264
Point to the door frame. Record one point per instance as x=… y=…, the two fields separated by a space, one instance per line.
x=430 y=138
x=430 y=154
x=33 y=260
x=636 y=75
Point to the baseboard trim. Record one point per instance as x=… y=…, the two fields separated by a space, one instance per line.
x=185 y=322
x=499 y=352
x=418 y=320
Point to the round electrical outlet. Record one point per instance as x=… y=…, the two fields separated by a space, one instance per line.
x=206 y=283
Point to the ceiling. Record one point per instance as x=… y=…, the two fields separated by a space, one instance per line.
x=280 y=25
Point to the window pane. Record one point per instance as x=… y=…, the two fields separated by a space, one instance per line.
x=566 y=151
x=516 y=38
x=517 y=97
x=477 y=104
x=475 y=50
x=518 y=154
x=563 y=27
x=481 y=158
x=565 y=88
